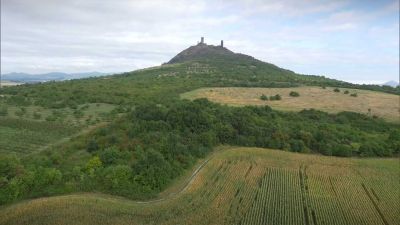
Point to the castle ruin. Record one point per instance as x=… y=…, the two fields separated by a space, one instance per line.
x=202 y=42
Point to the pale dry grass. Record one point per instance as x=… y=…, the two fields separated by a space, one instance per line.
x=381 y=104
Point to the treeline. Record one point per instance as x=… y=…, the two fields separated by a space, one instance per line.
x=139 y=154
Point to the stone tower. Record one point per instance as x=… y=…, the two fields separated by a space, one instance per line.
x=202 y=40
x=222 y=43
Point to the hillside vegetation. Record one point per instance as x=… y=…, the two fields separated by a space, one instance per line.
x=144 y=136
x=370 y=103
x=138 y=155
x=244 y=186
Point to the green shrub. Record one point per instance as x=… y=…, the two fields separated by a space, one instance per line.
x=264 y=97
x=3 y=111
x=92 y=145
x=20 y=112
x=37 y=116
x=336 y=90
x=294 y=94
x=354 y=95
x=346 y=92
x=275 y=97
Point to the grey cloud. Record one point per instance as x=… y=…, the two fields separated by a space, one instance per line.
x=111 y=36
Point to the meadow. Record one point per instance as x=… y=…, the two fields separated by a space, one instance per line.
x=24 y=136
x=239 y=185
x=367 y=102
x=31 y=128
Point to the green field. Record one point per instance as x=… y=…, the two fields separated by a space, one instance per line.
x=24 y=136
x=37 y=127
x=243 y=186
x=367 y=102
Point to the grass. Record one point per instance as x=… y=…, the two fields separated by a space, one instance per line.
x=381 y=104
x=244 y=186
x=90 y=111
x=25 y=136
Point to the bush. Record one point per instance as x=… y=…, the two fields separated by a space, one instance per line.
x=3 y=111
x=294 y=94
x=354 y=95
x=92 y=145
x=264 y=97
x=20 y=112
x=275 y=97
x=297 y=146
x=37 y=116
x=346 y=92
x=336 y=90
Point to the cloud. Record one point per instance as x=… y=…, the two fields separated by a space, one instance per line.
x=309 y=36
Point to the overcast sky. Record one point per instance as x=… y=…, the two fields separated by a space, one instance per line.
x=356 y=41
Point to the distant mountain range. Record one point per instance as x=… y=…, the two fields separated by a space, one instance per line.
x=391 y=83
x=53 y=76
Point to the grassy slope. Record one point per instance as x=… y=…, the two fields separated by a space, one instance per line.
x=244 y=186
x=158 y=84
x=26 y=134
x=381 y=104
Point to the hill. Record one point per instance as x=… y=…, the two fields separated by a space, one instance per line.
x=243 y=186
x=132 y=135
x=201 y=51
x=392 y=83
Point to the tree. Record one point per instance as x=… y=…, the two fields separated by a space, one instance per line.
x=294 y=94
x=394 y=140
x=93 y=164
x=152 y=170
x=112 y=155
x=341 y=150
x=336 y=90
x=297 y=145
x=354 y=95
x=118 y=179
x=346 y=92
x=92 y=145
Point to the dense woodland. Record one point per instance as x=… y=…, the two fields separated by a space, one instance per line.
x=152 y=136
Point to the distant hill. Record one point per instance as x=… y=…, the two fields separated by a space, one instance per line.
x=392 y=83
x=201 y=51
x=53 y=76
x=222 y=67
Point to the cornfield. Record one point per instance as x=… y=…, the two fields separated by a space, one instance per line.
x=244 y=186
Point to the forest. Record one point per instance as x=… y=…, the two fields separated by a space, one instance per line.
x=139 y=154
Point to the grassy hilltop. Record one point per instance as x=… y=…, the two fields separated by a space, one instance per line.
x=132 y=135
